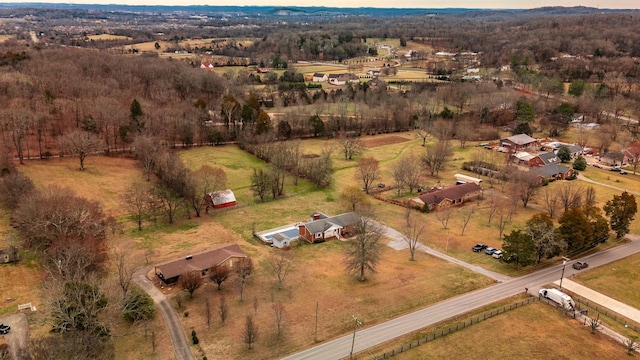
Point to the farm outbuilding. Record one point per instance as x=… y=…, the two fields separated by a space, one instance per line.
x=221 y=199
x=463 y=179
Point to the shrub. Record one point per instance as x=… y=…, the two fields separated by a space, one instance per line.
x=138 y=305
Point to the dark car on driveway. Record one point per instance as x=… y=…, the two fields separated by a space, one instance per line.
x=478 y=247
x=579 y=265
x=4 y=329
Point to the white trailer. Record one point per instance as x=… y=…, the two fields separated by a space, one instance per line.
x=463 y=179
x=558 y=297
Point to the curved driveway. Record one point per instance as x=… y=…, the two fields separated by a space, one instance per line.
x=178 y=338
x=388 y=330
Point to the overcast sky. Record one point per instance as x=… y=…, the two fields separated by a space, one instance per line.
x=484 y=4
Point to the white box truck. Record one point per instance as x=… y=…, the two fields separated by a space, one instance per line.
x=558 y=297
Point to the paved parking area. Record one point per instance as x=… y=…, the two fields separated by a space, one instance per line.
x=18 y=337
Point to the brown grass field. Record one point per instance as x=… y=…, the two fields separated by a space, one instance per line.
x=532 y=332
x=318 y=278
x=108 y=37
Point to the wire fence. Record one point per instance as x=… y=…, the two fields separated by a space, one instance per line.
x=608 y=313
x=453 y=328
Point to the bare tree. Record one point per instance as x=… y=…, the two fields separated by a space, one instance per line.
x=260 y=183
x=595 y=324
x=14 y=188
x=551 y=201
x=443 y=216
x=170 y=201
x=362 y=253
x=412 y=234
x=435 y=156
x=590 y=196
x=147 y=150
x=17 y=122
x=524 y=186
x=190 y=282
x=570 y=196
x=407 y=171
x=466 y=217
x=250 y=332
x=223 y=309
x=351 y=147
x=279 y=312
x=281 y=262
x=353 y=196
x=80 y=143
x=243 y=268
x=138 y=199
x=421 y=129
x=368 y=171
x=125 y=268
x=219 y=274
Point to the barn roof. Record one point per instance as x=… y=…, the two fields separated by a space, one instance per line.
x=222 y=197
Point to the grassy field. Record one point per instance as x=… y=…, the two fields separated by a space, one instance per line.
x=318 y=279
x=532 y=332
x=619 y=280
x=108 y=37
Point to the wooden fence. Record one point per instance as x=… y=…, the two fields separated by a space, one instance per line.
x=452 y=329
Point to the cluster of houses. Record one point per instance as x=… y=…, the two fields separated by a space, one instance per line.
x=541 y=158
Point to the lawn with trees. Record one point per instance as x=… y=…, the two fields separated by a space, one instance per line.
x=107 y=157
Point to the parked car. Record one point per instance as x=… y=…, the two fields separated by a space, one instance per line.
x=497 y=254
x=490 y=250
x=4 y=329
x=614 y=168
x=478 y=247
x=597 y=166
x=622 y=172
x=579 y=265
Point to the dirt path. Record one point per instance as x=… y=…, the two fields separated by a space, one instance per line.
x=178 y=338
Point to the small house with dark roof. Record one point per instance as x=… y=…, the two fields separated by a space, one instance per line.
x=322 y=228
x=169 y=272
x=451 y=196
x=553 y=172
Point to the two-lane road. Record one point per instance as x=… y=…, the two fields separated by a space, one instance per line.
x=388 y=330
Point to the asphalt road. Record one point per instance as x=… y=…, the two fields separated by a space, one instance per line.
x=388 y=330
x=176 y=332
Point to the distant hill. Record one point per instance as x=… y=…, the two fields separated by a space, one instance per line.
x=318 y=11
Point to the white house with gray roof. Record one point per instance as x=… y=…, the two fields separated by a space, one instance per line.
x=322 y=227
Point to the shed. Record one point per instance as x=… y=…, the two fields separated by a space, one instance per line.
x=221 y=199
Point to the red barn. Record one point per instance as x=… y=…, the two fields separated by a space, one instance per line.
x=221 y=199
